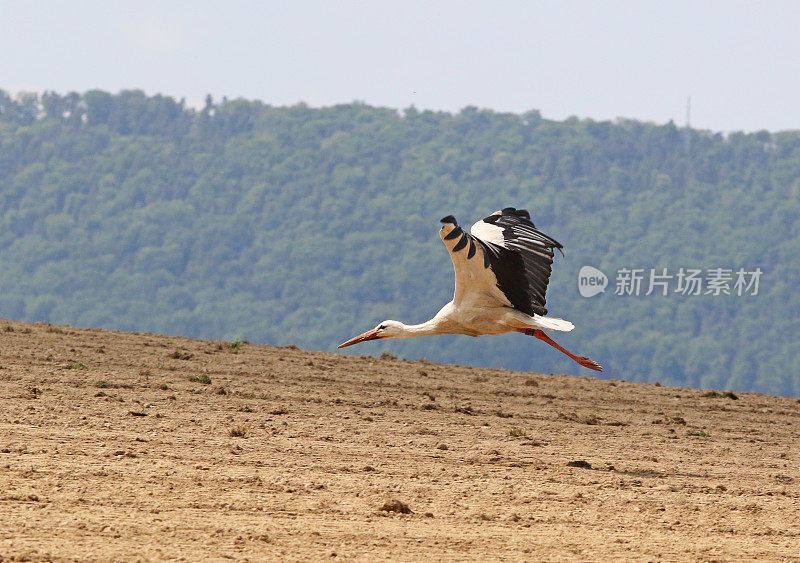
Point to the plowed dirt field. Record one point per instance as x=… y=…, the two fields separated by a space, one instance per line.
x=124 y=447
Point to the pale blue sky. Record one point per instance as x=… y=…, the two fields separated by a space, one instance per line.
x=739 y=61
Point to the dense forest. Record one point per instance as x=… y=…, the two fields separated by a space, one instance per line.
x=307 y=226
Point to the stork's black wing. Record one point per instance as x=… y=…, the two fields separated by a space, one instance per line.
x=520 y=256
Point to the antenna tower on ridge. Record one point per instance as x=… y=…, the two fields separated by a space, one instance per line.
x=688 y=132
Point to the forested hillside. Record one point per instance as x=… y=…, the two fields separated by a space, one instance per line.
x=308 y=226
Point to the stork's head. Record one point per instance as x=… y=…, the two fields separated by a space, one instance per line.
x=387 y=329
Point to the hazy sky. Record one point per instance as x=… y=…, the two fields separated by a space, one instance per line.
x=739 y=61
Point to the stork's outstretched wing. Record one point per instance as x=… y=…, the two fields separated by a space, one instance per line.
x=506 y=260
x=476 y=283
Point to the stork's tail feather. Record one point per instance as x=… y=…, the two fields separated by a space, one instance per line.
x=552 y=323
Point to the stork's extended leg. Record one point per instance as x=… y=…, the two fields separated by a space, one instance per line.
x=582 y=360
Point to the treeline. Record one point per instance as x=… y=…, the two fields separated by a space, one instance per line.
x=307 y=226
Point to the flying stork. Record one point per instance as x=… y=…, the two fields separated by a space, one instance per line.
x=502 y=269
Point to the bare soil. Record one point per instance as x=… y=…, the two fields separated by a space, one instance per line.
x=119 y=446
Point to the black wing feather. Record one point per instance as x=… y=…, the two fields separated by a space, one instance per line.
x=454 y=233
x=471 y=252
x=523 y=267
x=462 y=242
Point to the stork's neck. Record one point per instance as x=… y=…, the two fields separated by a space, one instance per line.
x=437 y=325
x=440 y=324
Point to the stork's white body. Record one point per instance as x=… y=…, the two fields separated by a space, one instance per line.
x=477 y=320
x=501 y=274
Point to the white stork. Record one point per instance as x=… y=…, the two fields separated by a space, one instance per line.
x=502 y=270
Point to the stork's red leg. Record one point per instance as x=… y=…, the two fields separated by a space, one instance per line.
x=582 y=360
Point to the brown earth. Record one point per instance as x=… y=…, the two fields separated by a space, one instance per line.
x=118 y=446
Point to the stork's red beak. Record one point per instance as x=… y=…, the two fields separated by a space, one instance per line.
x=369 y=335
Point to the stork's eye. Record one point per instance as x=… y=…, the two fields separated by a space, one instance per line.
x=381 y=327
